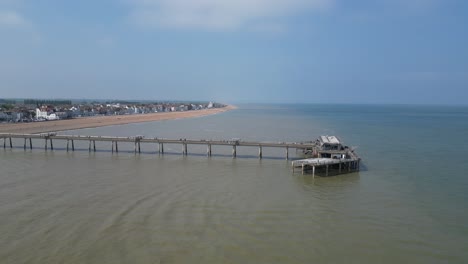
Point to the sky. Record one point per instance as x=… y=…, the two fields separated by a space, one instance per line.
x=235 y=51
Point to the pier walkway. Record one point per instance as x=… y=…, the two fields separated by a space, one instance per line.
x=49 y=138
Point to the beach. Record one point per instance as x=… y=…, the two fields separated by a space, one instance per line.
x=100 y=121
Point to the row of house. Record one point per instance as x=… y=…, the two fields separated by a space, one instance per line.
x=31 y=113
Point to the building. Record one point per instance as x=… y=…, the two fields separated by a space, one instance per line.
x=41 y=114
x=330 y=143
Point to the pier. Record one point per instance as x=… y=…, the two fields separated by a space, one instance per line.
x=325 y=155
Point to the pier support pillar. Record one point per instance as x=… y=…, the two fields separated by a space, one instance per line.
x=339 y=168
x=358 y=165
x=89 y=146
x=349 y=166
x=25 y=143
x=209 y=150
x=30 y=143
x=137 y=147
x=326 y=173
x=73 y=145
x=11 y=144
x=184 y=149
x=94 y=145
x=68 y=144
x=45 y=144
x=234 y=151
x=4 y=142
x=116 y=147
x=260 y=153
x=287 y=153
x=51 y=144
x=302 y=168
x=313 y=171
x=162 y=148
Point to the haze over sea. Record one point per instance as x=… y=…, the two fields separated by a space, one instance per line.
x=407 y=205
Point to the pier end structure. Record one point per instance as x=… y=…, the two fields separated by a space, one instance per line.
x=328 y=154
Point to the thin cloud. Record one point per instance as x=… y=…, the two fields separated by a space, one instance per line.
x=12 y=19
x=215 y=14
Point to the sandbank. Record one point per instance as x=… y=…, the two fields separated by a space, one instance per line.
x=100 y=121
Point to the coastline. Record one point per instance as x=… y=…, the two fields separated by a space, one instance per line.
x=100 y=121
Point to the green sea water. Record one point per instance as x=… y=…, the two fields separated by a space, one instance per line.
x=408 y=204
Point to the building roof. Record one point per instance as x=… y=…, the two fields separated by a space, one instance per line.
x=330 y=140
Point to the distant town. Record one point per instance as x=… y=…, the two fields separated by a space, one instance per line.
x=32 y=110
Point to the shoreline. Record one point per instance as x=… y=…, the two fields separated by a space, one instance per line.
x=101 y=121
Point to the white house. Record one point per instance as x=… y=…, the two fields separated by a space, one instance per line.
x=40 y=114
x=43 y=115
x=52 y=117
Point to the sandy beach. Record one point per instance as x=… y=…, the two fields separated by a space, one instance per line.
x=99 y=121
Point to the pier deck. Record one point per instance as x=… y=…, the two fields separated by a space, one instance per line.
x=138 y=140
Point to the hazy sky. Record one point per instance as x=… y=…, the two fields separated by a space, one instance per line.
x=319 y=51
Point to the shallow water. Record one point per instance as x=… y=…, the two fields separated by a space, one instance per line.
x=407 y=205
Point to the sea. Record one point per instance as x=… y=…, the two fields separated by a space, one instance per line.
x=408 y=204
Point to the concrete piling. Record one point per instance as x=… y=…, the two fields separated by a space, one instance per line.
x=184 y=149
x=209 y=150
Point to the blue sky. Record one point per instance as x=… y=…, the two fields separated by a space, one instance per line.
x=317 y=51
